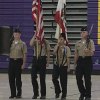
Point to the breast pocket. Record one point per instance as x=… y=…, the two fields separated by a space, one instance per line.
x=81 y=47
x=18 y=47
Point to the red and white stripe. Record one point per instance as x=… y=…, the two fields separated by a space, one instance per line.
x=59 y=18
x=37 y=15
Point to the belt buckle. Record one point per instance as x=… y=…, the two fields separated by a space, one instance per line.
x=83 y=57
x=15 y=58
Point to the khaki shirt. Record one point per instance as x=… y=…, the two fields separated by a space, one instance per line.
x=18 y=49
x=81 y=46
x=63 y=54
x=42 y=49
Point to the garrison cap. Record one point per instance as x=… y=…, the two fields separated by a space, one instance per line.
x=84 y=29
x=17 y=31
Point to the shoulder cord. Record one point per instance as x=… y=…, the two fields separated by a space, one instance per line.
x=64 y=53
x=57 y=56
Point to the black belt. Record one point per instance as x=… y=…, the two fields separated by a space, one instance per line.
x=85 y=57
x=39 y=56
x=16 y=58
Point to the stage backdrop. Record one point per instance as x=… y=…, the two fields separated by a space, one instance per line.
x=94 y=18
x=18 y=12
x=14 y=13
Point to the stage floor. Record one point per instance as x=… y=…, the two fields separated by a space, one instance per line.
x=73 y=93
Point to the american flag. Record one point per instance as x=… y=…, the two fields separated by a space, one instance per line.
x=59 y=18
x=37 y=15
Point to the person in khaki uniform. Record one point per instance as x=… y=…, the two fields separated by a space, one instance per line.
x=18 y=52
x=84 y=50
x=61 y=67
x=40 y=61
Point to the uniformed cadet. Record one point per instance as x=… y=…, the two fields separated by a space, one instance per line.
x=84 y=50
x=40 y=61
x=61 y=67
x=18 y=52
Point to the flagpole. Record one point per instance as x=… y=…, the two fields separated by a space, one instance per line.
x=65 y=4
x=36 y=32
x=59 y=32
x=65 y=12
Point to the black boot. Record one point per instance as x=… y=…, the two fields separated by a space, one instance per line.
x=12 y=97
x=35 y=96
x=43 y=97
x=57 y=95
x=81 y=97
x=63 y=97
x=87 y=98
